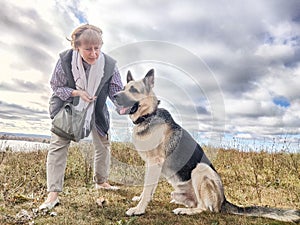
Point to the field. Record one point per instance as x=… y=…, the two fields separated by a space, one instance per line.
x=250 y=178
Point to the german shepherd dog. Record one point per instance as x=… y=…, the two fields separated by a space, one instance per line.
x=170 y=150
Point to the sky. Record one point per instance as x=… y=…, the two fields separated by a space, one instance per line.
x=228 y=71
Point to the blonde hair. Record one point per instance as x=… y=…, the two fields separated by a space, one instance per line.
x=86 y=34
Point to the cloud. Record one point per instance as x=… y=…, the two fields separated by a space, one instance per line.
x=16 y=118
x=34 y=57
x=28 y=22
x=8 y=109
x=19 y=85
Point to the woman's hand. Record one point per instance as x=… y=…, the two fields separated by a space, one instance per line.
x=84 y=95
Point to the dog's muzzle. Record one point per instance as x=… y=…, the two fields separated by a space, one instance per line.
x=123 y=105
x=123 y=110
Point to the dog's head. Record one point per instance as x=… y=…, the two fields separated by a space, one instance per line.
x=137 y=98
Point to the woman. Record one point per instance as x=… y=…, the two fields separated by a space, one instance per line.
x=78 y=74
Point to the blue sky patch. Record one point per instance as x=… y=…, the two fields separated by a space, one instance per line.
x=281 y=101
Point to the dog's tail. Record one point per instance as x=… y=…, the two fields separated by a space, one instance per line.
x=286 y=215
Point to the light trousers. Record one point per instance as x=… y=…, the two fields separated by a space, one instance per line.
x=57 y=160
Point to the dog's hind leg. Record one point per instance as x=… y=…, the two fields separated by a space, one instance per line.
x=183 y=198
x=208 y=189
x=184 y=194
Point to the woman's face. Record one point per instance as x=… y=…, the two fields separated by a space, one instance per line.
x=89 y=52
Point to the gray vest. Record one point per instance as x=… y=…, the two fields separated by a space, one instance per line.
x=101 y=113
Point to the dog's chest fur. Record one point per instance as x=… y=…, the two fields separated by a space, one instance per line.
x=149 y=139
x=155 y=138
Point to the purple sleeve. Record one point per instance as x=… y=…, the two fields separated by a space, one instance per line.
x=58 y=83
x=115 y=84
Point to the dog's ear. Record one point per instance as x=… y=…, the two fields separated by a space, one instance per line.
x=129 y=76
x=149 y=80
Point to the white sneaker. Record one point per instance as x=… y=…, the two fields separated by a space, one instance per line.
x=49 y=205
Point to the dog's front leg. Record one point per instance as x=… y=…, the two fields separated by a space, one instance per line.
x=151 y=180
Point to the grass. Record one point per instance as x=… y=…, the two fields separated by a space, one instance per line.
x=249 y=178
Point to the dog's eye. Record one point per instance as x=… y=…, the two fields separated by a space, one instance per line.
x=133 y=90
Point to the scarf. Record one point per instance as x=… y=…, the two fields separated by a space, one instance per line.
x=88 y=82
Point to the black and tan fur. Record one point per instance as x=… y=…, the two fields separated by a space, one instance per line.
x=169 y=150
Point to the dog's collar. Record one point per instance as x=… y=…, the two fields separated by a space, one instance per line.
x=144 y=117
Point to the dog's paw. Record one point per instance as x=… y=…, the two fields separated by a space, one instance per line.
x=135 y=211
x=136 y=198
x=182 y=211
x=179 y=211
x=173 y=201
x=187 y=211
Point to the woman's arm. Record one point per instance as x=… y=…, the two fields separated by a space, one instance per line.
x=115 y=84
x=59 y=83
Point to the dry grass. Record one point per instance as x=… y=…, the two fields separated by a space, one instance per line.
x=249 y=179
